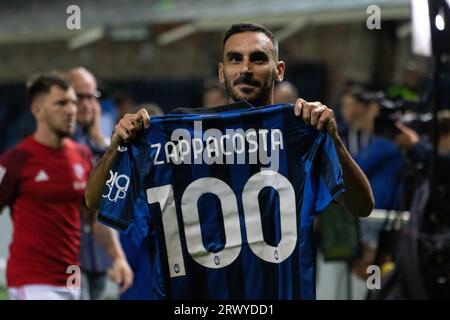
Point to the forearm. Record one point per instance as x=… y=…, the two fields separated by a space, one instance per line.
x=98 y=177
x=358 y=196
x=109 y=239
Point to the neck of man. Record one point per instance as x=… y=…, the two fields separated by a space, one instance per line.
x=269 y=101
x=48 y=137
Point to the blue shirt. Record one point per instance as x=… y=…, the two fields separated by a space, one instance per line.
x=227 y=201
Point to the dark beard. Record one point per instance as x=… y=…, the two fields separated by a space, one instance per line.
x=262 y=99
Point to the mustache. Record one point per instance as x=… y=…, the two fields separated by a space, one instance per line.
x=247 y=79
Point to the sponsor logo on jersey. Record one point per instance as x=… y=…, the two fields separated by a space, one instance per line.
x=79 y=171
x=116 y=187
x=79 y=185
x=41 y=176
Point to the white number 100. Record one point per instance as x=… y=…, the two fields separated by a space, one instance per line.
x=228 y=202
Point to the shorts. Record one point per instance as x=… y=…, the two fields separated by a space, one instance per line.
x=43 y=292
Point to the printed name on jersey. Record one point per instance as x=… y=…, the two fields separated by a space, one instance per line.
x=41 y=176
x=2 y=173
x=211 y=146
x=116 y=187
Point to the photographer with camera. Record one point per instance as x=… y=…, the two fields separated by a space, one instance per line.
x=382 y=162
x=379 y=158
x=420 y=150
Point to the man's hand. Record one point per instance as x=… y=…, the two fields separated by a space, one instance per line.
x=317 y=115
x=121 y=274
x=129 y=126
x=407 y=137
x=94 y=130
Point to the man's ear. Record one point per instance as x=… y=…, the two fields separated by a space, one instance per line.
x=220 y=72
x=281 y=67
x=36 y=108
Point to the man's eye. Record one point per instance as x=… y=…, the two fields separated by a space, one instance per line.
x=259 y=60
x=234 y=59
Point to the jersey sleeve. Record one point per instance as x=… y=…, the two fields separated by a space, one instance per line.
x=124 y=206
x=11 y=164
x=330 y=182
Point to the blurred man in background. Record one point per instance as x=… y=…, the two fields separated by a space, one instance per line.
x=285 y=92
x=214 y=94
x=88 y=110
x=124 y=104
x=95 y=261
x=42 y=179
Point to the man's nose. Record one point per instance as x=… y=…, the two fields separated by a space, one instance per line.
x=246 y=66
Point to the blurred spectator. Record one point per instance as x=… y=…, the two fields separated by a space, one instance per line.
x=214 y=94
x=42 y=179
x=285 y=92
x=124 y=104
x=95 y=262
x=356 y=128
x=410 y=85
x=382 y=162
x=89 y=110
x=152 y=108
x=420 y=150
x=379 y=158
x=41 y=168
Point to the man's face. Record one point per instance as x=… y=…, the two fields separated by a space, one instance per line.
x=86 y=90
x=352 y=111
x=249 y=68
x=57 y=110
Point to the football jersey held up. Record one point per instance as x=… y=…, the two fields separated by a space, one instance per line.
x=227 y=199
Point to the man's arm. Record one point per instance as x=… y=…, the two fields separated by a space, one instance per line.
x=358 y=197
x=120 y=272
x=11 y=165
x=125 y=131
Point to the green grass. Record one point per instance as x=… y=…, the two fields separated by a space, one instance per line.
x=3 y=294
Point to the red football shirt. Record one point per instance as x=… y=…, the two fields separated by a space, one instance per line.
x=44 y=188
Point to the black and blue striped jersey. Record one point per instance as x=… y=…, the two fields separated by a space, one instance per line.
x=227 y=200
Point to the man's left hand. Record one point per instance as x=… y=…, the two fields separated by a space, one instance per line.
x=121 y=274
x=318 y=115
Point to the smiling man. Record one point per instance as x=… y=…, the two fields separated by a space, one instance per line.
x=146 y=196
x=250 y=64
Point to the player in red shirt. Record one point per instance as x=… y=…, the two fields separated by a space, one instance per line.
x=43 y=179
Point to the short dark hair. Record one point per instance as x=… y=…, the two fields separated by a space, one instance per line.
x=249 y=27
x=42 y=83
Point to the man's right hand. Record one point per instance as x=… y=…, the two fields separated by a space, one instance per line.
x=129 y=126
x=407 y=137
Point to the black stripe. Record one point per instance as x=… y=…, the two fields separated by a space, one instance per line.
x=122 y=226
